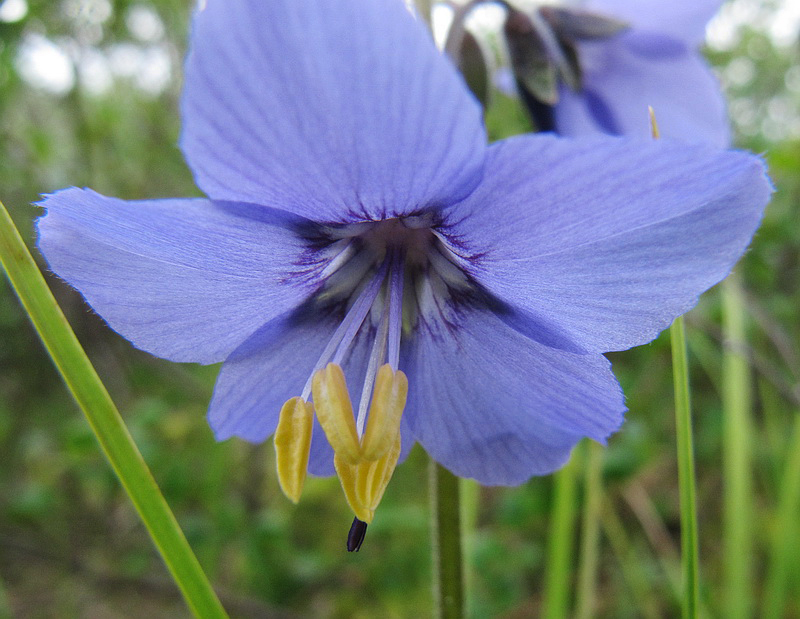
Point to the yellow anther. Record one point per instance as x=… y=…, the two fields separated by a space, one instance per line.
x=373 y=477
x=348 y=476
x=383 y=424
x=335 y=412
x=292 y=445
x=654 y=132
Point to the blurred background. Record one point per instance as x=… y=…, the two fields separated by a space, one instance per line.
x=89 y=97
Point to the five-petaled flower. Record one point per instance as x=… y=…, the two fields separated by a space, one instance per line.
x=363 y=244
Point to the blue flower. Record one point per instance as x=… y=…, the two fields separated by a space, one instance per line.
x=655 y=62
x=373 y=274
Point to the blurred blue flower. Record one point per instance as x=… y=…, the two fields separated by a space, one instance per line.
x=654 y=62
x=357 y=218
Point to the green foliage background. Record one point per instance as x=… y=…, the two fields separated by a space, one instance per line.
x=71 y=544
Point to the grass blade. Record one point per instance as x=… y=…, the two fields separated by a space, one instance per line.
x=590 y=530
x=104 y=419
x=738 y=497
x=686 y=475
x=558 y=581
x=783 y=561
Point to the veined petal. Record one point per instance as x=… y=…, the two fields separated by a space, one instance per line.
x=683 y=19
x=609 y=239
x=332 y=109
x=489 y=403
x=625 y=75
x=187 y=280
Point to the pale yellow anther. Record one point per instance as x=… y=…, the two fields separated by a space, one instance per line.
x=292 y=445
x=383 y=424
x=654 y=132
x=348 y=476
x=335 y=412
x=373 y=477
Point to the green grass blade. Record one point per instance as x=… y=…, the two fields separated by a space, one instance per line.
x=686 y=475
x=558 y=580
x=590 y=530
x=737 y=434
x=448 y=571
x=470 y=492
x=105 y=420
x=783 y=561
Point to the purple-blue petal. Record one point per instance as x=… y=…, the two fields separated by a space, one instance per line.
x=336 y=110
x=682 y=19
x=491 y=404
x=607 y=240
x=187 y=280
x=636 y=70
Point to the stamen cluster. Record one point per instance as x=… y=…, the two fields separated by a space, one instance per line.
x=366 y=267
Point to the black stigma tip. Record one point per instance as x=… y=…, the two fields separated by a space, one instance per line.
x=358 y=531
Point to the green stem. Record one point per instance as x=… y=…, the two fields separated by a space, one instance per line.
x=105 y=420
x=690 y=600
x=558 y=581
x=446 y=546
x=590 y=530
x=784 y=539
x=738 y=497
x=470 y=499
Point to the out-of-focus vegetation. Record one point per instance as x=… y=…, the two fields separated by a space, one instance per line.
x=72 y=546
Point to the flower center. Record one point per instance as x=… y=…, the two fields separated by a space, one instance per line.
x=385 y=275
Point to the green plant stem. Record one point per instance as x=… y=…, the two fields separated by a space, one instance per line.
x=783 y=561
x=558 y=581
x=738 y=497
x=686 y=476
x=447 y=551
x=590 y=530
x=470 y=500
x=104 y=419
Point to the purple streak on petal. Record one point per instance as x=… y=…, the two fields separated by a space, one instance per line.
x=337 y=110
x=187 y=280
x=609 y=239
x=491 y=404
x=682 y=90
x=683 y=19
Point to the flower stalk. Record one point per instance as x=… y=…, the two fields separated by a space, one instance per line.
x=562 y=534
x=446 y=543
x=738 y=498
x=686 y=476
x=105 y=421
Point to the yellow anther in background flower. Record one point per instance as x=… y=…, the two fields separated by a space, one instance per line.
x=292 y=445
x=348 y=476
x=335 y=412
x=383 y=424
x=373 y=477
